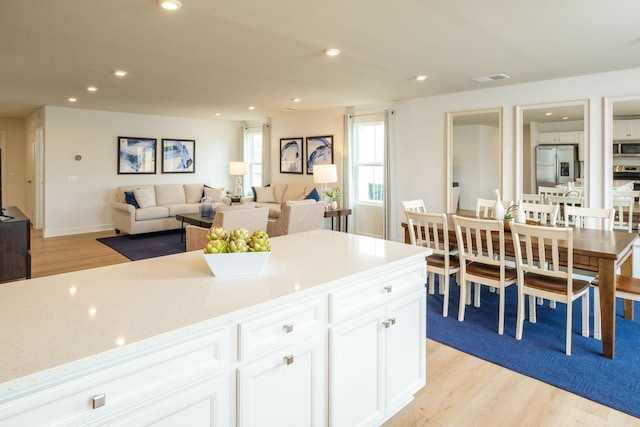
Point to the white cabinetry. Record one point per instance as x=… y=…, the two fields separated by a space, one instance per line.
x=282 y=375
x=377 y=351
x=130 y=386
x=626 y=129
x=572 y=137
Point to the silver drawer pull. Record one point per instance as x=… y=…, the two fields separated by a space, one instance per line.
x=386 y=323
x=98 y=401
x=392 y=320
x=288 y=359
x=288 y=328
x=388 y=288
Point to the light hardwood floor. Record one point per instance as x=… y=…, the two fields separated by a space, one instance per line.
x=461 y=390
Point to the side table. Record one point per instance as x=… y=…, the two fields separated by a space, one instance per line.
x=338 y=213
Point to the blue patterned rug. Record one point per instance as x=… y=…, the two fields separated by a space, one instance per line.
x=148 y=245
x=540 y=353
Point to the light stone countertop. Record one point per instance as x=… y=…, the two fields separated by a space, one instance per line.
x=53 y=325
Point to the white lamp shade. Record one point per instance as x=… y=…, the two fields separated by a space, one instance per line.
x=237 y=168
x=325 y=173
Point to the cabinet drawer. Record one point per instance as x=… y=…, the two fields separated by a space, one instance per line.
x=269 y=331
x=126 y=384
x=344 y=303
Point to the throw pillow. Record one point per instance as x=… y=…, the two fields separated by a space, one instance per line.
x=313 y=194
x=265 y=195
x=144 y=197
x=214 y=193
x=131 y=199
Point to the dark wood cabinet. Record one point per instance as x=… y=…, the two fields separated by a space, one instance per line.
x=15 y=245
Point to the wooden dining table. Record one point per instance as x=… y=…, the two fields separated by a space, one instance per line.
x=600 y=251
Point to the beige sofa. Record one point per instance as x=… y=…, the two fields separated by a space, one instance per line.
x=275 y=195
x=159 y=205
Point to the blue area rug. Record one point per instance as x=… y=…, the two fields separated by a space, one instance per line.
x=540 y=353
x=148 y=245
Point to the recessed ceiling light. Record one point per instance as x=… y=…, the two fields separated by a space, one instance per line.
x=548 y=114
x=120 y=73
x=251 y=107
x=92 y=88
x=170 y=4
x=72 y=99
x=565 y=118
x=332 y=52
x=295 y=99
x=217 y=114
x=421 y=78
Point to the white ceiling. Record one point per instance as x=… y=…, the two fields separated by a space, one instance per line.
x=222 y=56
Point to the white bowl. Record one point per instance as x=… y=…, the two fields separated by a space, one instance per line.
x=237 y=264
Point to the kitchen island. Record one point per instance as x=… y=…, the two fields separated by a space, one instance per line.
x=164 y=340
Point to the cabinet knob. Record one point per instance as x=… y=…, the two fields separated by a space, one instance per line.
x=392 y=320
x=288 y=359
x=98 y=401
x=288 y=328
x=386 y=323
x=388 y=288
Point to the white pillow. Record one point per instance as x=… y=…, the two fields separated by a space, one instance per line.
x=265 y=195
x=144 y=197
x=214 y=193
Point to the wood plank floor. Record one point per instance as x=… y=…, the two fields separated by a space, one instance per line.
x=461 y=390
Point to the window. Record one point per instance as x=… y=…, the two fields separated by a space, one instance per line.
x=253 y=156
x=369 y=167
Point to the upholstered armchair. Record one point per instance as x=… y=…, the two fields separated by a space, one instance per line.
x=296 y=217
x=252 y=219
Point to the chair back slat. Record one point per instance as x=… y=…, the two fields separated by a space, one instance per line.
x=541 y=213
x=581 y=217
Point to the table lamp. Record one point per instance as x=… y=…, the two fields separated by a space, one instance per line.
x=323 y=174
x=238 y=169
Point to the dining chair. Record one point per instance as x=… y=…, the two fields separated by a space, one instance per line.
x=552 y=191
x=627 y=287
x=436 y=237
x=540 y=274
x=416 y=205
x=484 y=207
x=623 y=203
x=541 y=213
x=563 y=202
x=596 y=218
x=533 y=198
x=482 y=262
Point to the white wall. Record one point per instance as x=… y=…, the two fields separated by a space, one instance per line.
x=84 y=206
x=13 y=176
x=421 y=142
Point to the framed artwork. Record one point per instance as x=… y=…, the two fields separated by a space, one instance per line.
x=178 y=156
x=319 y=151
x=291 y=155
x=136 y=155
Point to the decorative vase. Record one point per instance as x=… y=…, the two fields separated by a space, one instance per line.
x=206 y=207
x=498 y=208
x=520 y=217
x=334 y=204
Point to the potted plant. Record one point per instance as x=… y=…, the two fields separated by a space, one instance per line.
x=333 y=195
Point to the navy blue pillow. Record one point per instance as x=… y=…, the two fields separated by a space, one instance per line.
x=131 y=199
x=313 y=194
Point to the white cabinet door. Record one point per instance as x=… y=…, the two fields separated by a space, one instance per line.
x=202 y=405
x=405 y=349
x=570 y=137
x=286 y=388
x=356 y=396
x=626 y=129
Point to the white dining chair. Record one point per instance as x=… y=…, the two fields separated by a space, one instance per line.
x=563 y=202
x=431 y=230
x=624 y=203
x=552 y=191
x=541 y=213
x=533 y=198
x=484 y=208
x=482 y=262
x=541 y=274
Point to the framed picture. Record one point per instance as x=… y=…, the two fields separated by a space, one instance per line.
x=291 y=155
x=136 y=155
x=319 y=151
x=178 y=156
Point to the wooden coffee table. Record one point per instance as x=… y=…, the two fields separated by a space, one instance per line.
x=194 y=219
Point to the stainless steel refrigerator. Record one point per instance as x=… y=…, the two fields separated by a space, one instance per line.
x=556 y=164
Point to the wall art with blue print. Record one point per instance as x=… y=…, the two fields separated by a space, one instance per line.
x=319 y=151
x=136 y=155
x=178 y=156
x=291 y=155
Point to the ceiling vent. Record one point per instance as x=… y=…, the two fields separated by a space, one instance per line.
x=290 y=109
x=490 y=78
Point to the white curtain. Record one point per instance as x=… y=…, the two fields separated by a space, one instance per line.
x=266 y=153
x=390 y=229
